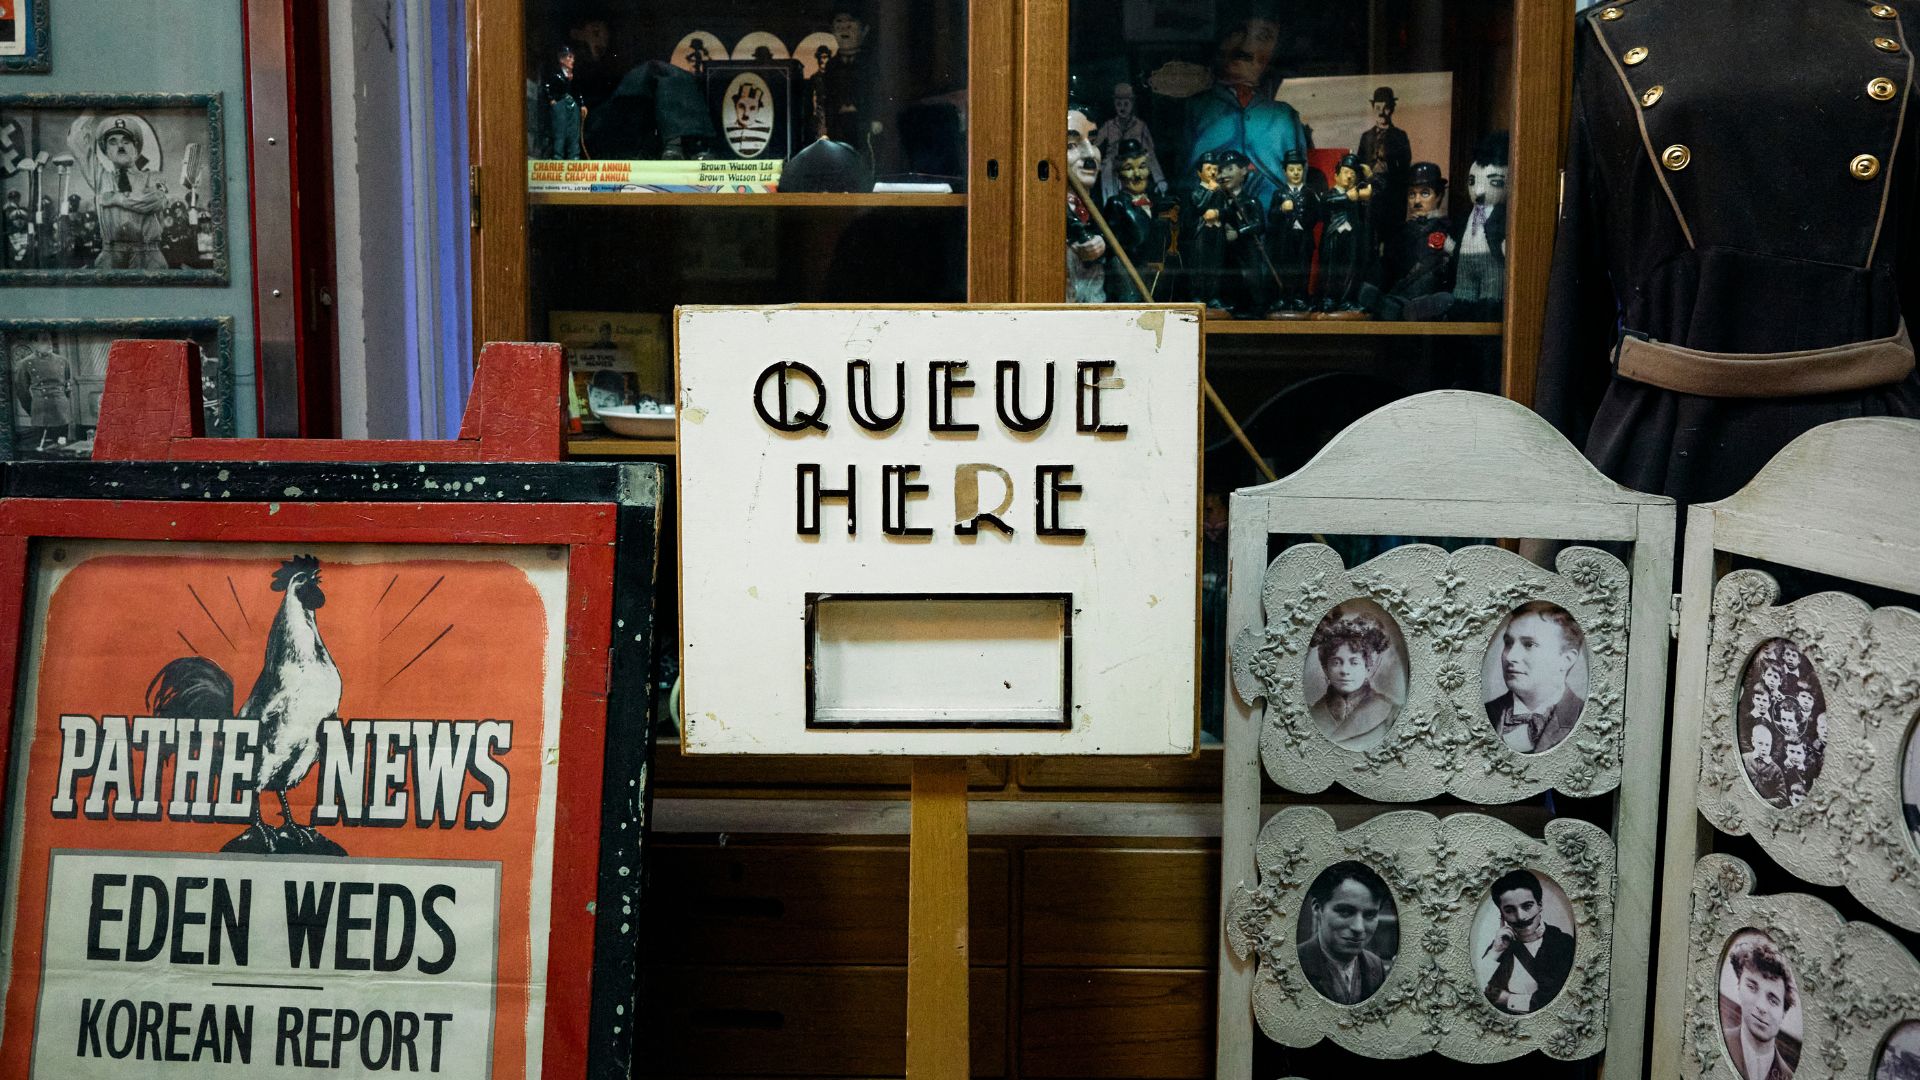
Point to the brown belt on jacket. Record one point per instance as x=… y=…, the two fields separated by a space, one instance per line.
x=1841 y=368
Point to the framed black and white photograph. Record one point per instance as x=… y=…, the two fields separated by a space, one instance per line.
x=104 y=189
x=57 y=368
x=1899 y=1057
x=1782 y=723
x=24 y=30
x=1910 y=787
x=1761 y=1017
x=1534 y=677
x=1780 y=984
x=1355 y=674
x=1807 y=724
x=1395 y=679
x=1522 y=941
x=1349 y=933
x=1411 y=934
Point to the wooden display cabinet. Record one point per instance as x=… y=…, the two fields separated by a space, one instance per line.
x=1126 y=997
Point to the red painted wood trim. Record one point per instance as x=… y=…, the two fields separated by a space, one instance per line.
x=576 y=822
x=314 y=523
x=149 y=412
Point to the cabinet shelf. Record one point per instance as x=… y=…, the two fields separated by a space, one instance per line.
x=705 y=199
x=615 y=446
x=1353 y=327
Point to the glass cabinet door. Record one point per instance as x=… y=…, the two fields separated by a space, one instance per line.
x=753 y=152
x=1313 y=166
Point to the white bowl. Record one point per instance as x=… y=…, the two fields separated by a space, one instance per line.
x=639 y=421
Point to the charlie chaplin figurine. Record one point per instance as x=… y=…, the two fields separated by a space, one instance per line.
x=1086 y=248
x=1480 y=261
x=1124 y=126
x=1290 y=221
x=1346 y=244
x=1203 y=233
x=1388 y=153
x=564 y=109
x=847 y=94
x=1136 y=216
x=1248 y=272
x=1421 y=254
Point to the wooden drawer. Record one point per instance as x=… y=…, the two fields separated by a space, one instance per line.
x=1196 y=772
x=1138 y=1025
x=803 y=904
x=1126 y=907
x=743 y=1021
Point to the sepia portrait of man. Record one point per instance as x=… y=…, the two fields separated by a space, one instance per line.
x=1754 y=1018
x=1537 y=652
x=1534 y=956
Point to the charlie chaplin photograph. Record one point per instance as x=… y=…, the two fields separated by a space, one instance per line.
x=57 y=369
x=1522 y=941
x=1355 y=675
x=1535 y=677
x=1782 y=722
x=1760 y=1008
x=102 y=189
x=1349 y=933
x=1900 y=1055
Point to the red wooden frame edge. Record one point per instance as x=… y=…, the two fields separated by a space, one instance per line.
x=149 y=411
x=587 y=530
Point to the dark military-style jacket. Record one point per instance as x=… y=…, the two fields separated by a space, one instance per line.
x=1740 y=180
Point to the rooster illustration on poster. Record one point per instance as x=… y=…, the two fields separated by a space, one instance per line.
x=297 y=690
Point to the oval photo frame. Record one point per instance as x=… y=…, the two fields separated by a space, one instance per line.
x=1538 y=661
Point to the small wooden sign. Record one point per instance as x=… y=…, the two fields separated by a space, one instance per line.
x=939 y=532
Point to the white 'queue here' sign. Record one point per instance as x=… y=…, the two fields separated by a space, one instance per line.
x=966 y=531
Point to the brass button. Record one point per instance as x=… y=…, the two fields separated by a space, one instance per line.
x=1882 y=11
x=1652 y=95
x=1882 y=89
x=1677 y=157
x=1639 y=53
x=1886 y=44
x=1865 y=167
x=1611 y=14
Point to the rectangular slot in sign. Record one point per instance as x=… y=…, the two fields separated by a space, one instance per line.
x=931 y=661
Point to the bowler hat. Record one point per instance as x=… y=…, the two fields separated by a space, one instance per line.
x=1384 y=93
x=1426 y=174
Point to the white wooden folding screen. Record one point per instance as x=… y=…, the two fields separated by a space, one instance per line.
x=1459 y=465
x=1842 y=501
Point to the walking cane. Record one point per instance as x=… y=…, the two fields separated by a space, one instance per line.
x=1213 y=398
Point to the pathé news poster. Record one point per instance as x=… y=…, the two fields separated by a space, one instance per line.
x=282 y=811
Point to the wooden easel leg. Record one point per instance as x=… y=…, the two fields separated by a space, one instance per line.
x=937 y=1022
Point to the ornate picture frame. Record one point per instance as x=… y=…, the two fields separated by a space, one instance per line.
x=1439 y=870
x=1450 y=607
x=171 y=213
x=214 y=335
x=27 y=50
x=1854 y=983
x=1849 y=829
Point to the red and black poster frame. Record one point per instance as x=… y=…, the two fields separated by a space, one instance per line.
x=502 y=483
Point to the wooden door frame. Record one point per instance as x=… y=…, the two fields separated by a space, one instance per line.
x=290 y=173
x=498 y=129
